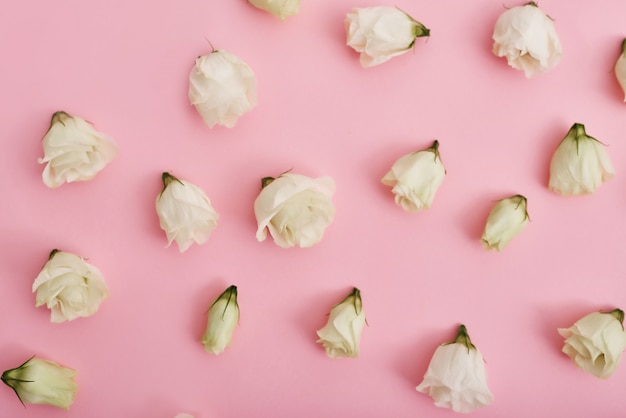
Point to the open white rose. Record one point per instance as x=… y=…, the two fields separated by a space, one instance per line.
x=73 y=150
x=381 y=33
x=222 y=88
x=595 y=342
x=580 y=164
x=415 y=178
x=279 y=8
x=185 y=212
x=526 y=36
x=223 y=318
x=342 y=333
x=507 y=218
x=620 y=68
x=69 y=287
x=39 y=381
x=456 y=377
x=295 y=209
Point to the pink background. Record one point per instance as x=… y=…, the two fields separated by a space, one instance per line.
x=124 y=65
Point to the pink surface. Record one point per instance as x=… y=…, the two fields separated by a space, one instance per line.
x=124 y=65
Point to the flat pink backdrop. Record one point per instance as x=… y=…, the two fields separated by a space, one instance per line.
x=124 y=65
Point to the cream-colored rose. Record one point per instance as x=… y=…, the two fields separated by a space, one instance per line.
x=507 y=219
x=39 y=381
x=620 y=69
x=185 y=212
x=526 y=36
x=342 y=333
x=223 y=318
x=222 y=88
x=595 y=342
x=295 y=209
x=415 y=178
x=580 y=164
x=69 y=287
x=73 y=150
x=456 y=377
x=183 y=415
x=381 y=33
x=279 y=8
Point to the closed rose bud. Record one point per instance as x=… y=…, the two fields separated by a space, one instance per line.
x=39 y=381
x=223 y=318
x=507 y=218
x=526 y=36
x=456 y=377
x=342 y=333
x=295 y=209
x=620 y=68
x=222 y=88
x=73 y=150
x=381 y=33
x=415 y=178
x=69 y=287
x=279 y=8
x=595 y=342
x=185 y=212
x=580 y=164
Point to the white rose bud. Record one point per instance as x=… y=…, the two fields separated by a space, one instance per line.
x=381 y=33
x=342 y=333
x=456 y=377
x=507 y=218
x=222 y=88
x=74 y=151
x=525 y=35
x=580 y=164
x=185 y=212
x=279 y=8
x=223 y=318
x=295 y=209
x=415 y=178
x=620 y=69
x=596 y=341
x=69 y=287
x=40 y=381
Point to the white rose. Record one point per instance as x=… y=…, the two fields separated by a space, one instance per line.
x=415 y=178
x=185 y=212
x=40 y=381
x=183 y=415
x=507 y=218
x=222 y=88
x=279 y=8
x=596 y=341
x=223 y=318
x=525 y=35
x=381 y=33
x=456 y=377
x=580 y=164
x=69 y=287
x=73 y=150
x=342 y=333
x=295 y=209
x=620 y=69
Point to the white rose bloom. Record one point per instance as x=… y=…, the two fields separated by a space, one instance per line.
x=74 y=151
x=415 y=178
x=580 y=164
x=381 y=33
x=40 y=381
x=620 y=69
x=525 y=35
x=183 y=415
x=596 y=341
x=223 y=318
x=342 y=333
x=507 y=218
x=279 y=8
x=185 y=212
x=69 y=287
x=295 y=209
x=456 y=377
x=222 y=88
